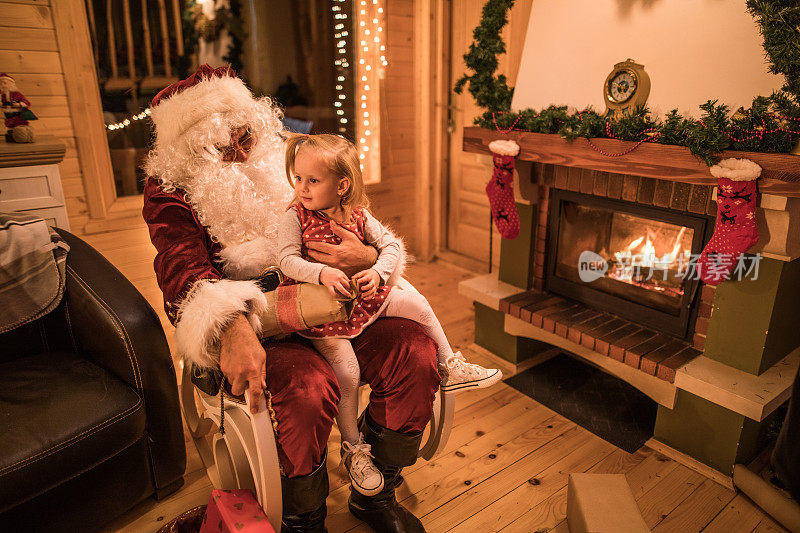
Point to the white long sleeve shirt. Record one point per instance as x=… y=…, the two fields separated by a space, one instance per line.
x=295 y=266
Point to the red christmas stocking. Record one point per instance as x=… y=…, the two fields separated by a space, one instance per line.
x=500 y=188
x=736 y=230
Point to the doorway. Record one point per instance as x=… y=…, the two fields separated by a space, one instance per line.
x=467 y=234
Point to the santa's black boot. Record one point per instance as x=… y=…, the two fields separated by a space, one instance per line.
x=304 y=509
x=392 y=451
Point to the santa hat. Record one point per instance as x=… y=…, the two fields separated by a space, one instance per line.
x=180 y=106
x=7 y=76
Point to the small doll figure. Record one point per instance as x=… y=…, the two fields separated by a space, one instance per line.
x=15 y=108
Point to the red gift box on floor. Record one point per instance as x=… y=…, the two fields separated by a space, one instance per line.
x=234 y=511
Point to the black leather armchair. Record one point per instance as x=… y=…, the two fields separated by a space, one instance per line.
x=89 y=417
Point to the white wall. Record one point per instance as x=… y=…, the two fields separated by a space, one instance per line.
x=693 y=50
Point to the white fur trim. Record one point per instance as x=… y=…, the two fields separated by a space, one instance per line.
x=504 y=147
x=400 y=269
x=249 y=259
x=180 y=112
x=209 y=306
x=736 y=170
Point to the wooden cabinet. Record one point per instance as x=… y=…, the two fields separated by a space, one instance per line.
x=30 y=182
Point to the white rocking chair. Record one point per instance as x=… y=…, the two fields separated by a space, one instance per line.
x=246 y=456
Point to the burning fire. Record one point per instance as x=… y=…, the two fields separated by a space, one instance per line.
x=638 y=262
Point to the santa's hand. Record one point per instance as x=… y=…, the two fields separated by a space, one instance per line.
x=350 y=256
x=368 y=281
x=242 y=360
x=337 y=281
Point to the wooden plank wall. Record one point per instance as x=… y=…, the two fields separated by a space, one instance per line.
x=29 y=52
x=393 y=199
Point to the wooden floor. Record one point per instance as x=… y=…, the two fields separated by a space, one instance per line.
x=506 y=464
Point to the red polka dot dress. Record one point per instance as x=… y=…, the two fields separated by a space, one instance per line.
x=317 y=228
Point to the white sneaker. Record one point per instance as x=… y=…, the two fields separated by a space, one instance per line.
x=460 y=375
x=364 y=475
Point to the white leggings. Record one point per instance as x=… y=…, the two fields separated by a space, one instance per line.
x=400 y=303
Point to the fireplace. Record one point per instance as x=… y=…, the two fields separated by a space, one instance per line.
x=625 y=258
x=717 y=360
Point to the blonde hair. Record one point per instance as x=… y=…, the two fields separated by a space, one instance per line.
x=340 y=156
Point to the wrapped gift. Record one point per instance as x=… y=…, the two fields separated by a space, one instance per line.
x=299 y=306
x=234 y=511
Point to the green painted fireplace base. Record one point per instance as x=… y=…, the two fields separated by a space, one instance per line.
x=516 y=255
x=754 y=323
x=709 y=433
x=490 y=334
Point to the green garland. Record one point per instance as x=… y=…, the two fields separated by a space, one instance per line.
x=779 y=21
x=767 y=126
x=490 y=92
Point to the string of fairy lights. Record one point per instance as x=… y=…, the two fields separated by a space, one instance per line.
x=128 y=121
x=371 y=57
x=342 y=63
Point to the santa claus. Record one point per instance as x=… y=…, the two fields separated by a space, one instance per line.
x=15 y=106
x=215 y=193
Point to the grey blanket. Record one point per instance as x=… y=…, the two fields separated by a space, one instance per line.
x=32 y=262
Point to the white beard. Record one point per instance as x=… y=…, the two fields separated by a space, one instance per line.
x=241 y=205
x=236 y=202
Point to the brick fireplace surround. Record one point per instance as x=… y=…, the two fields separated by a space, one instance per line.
x=718 y=387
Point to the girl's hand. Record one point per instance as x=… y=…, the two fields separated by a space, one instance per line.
x=368 y=281
x=337 y=281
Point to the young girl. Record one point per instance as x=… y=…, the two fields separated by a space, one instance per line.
x=326 y=175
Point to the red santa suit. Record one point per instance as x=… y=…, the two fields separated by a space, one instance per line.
x=214 y=232
x=13 y=102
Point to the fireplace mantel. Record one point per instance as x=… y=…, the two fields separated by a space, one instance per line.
x=780 y=177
